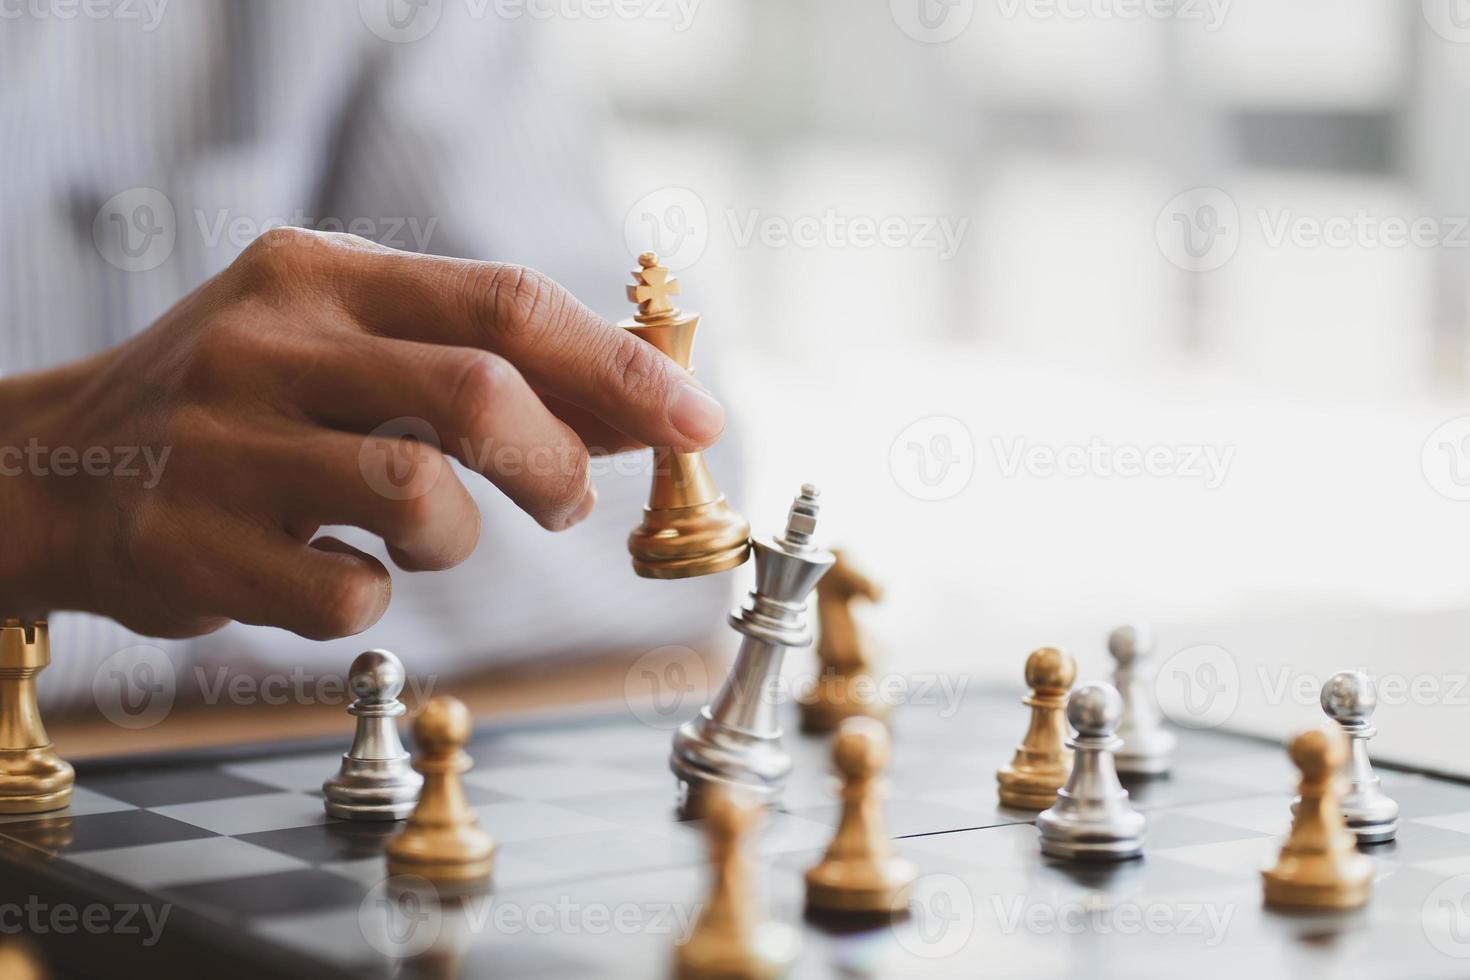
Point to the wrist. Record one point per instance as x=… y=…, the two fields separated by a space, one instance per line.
x=38 y=539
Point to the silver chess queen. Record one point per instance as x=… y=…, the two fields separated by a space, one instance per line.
x=735 y=742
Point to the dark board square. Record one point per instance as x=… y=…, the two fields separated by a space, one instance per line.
x=99 y=831
x=335 y=840
x=142 y=788
x=305 y=890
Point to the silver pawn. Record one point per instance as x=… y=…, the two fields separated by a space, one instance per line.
x=1147 y=745
x=1349 y=698
x=376 y=781
x=735 y=741
x=1092 y=818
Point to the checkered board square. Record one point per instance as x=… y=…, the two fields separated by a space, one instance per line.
x=231 y=857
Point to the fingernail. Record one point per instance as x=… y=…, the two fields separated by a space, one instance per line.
x=589 y=500
x=697 y=415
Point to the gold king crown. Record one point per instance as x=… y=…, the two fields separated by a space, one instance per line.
x=651 y=289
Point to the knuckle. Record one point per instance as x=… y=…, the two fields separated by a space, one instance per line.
x=518 y=299
x=279 y=255
x=638 y=367
x=274 y=251
x=567 y=484
x=484 y=382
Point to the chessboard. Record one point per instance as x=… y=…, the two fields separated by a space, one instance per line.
x=227 y=859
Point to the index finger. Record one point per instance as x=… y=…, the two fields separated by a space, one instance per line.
x=558 y=344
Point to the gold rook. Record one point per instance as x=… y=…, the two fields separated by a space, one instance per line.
x=33 y=778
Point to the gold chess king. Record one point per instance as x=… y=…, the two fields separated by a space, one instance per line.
x=688 y=527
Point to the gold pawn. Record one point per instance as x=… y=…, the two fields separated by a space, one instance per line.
x=33 y=778
x=441 y=841
x=1042 y=761
x=1319 y=866
x=688 y=527
x=731 y=940
x=861 y=873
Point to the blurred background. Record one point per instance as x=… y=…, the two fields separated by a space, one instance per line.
x=1079 y=311
x=1237 y=228
x=1232 y=232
